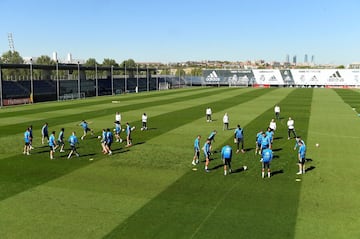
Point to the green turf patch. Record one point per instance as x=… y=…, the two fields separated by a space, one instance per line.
x=201 y=205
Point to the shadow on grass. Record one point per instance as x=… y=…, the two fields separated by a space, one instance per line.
x=239 y=170
x=276 y=150
x=310 y=168
x=277 y=172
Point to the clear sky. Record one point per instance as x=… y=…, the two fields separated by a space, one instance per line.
x=182 y=30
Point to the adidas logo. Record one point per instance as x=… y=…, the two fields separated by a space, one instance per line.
x=212 y=77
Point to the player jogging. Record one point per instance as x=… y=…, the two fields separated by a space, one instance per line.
x=226 y=154
x=61 y=142
x=239 y=138
x=86 y=128
x=196 y=150
x=27 y=142
x=73 y=140
x=144 y=121
x=109 y=140
x=117 y=131
x=44 y=133
x=267 y=156
x=258 y=142
x=128 y=135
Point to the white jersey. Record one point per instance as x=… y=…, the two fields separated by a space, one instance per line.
x=272 y=125
x=226 y=119
x=277 y=109
x=118 y=117
x=290 y=124
x=144 y=118
x=208 y=111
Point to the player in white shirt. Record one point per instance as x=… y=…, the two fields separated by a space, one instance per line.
x=144 y=121
x=272 y=125
x=291 y=127
x=277 y=111
x=226 y=121
x=208 y=114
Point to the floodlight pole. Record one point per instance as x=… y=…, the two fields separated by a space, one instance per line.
x=147 y=78
x=31 y=83
x=125 y=77
x=78 y=79
x=57 y=81
x=112 y=80
x=96 y=81
x=137 y=77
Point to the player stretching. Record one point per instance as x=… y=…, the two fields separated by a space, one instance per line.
x=207 y=153
x=267 y=156
x=226 y=154
x=73 y=142
x=196 y=150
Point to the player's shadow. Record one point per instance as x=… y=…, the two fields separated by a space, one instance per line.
x=280 y=137
x=151 y=129
x=277 y=172
x=276 y=156
x=138 y=143
x=239 y=170
x=310 y=168
x=278 y=149
x=85 y=155
x=217 y=166
x=308 y=160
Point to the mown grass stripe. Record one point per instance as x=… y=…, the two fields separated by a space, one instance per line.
x=35 y=171
x=92 y=114
x=180 y=210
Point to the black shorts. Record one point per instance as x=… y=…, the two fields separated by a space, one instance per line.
x=27 y=143
x=87 y=130
x=302 y=161
x=266 y=164
x=72 y=147
x=108 y=144
x=227 y=161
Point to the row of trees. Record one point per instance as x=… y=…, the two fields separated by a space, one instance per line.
x=11 y=57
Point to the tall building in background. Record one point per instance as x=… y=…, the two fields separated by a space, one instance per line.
x=312 y=59
x=69 y=58
x=306 y=58
x=287 y=60
x=294 y=60
x=54 y=56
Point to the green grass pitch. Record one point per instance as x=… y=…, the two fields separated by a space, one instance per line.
x=150 y=190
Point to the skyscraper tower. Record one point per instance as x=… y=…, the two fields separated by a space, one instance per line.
x=287 y=59
x=312 y=59
x=294 y=60
x=306 y=58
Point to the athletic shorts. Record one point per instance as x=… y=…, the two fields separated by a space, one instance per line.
x=302 y=161
x=227 y=161
x=87 y=130
x=52 y=148
x=108 y=144
x=196 y=153
x=27 y=143
x=72 y=147
x=60 y=142
x=266 y=164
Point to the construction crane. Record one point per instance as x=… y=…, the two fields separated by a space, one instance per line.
x=11 y=42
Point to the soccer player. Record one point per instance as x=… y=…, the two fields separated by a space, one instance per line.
x=270 y=134
x=118 y=117
x=196 y=150
x=301 y=157
x=31 y=137
x=27 y=142
x=258 y=142
x=61 y=142
x=239 y=138
x=103 y=141
x=118 y=131
x=265 y=142
x=267 y=156
x=128 y=135
x=226 y=154
x=44 y=133
x=272 y=125
x=109 y=140
x=86 y=128
x=144 y=121
x=52 y=144
x=207 y=153
x=297 y=140
x=291 y=127
x=277 y=112
x=226 y=121
x=208 y=114
x=73 y=140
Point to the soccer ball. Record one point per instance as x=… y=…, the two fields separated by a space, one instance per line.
x=244 y=167
x=99 y=137
x=141 y=128
x=317 y=144
x=132 y=128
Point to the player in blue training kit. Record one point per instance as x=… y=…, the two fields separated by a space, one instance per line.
x=52 y=144
x=301 y=157
x=103 y=141
x=258 y=142
x=27 y=142
x=270 y=135
x=239 y=138
x=298 y=139
x=61 y=142
x=207 y=153
x=265 y=142
x=226 y=154
x=86 y=128
x=109 y=140
x=267 y=156
x=128 y=135
x=196 y=150
x=44 y=133
x=118 y=131
x=73 y=140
